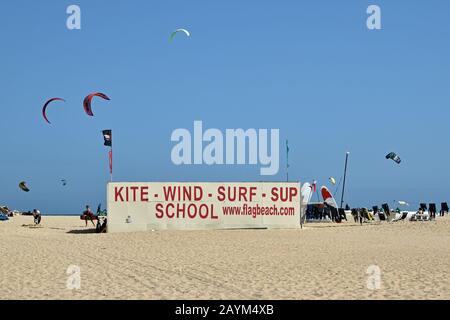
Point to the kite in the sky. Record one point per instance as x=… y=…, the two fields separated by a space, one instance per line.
x=394 y=157
x=88 y=99
x=333 y=181
x=179 y=30
x=44 y=109
x=23 y=186
x=64 y=182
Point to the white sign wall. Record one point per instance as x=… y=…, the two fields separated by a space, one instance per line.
x=205 y=205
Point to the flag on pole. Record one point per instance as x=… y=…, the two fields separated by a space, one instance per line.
x=107 y=136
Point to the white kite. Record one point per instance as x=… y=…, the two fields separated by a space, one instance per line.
x=179 y=30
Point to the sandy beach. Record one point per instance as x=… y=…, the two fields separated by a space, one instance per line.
x=322 y=261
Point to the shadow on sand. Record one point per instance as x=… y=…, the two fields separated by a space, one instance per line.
x=83 y=231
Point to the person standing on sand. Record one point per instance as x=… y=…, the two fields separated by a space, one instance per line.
x=355 y=214
x=362 y=216
x=37 y=217
x=88 y=214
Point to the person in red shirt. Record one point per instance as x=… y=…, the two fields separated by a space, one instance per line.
x=88 y=215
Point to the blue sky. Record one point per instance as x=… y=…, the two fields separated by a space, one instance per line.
x=310 y=68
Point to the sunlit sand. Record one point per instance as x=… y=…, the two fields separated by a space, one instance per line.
x=322 y=261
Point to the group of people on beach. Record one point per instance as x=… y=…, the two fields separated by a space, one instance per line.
x=87 y=215
x=325 y=212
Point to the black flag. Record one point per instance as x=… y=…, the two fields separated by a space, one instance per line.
x=107 y=135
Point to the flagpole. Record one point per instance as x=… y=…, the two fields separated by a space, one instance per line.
x=111 y=165
x=287 y=161
x=345 y=175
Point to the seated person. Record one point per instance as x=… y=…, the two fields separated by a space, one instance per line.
x=88 y=215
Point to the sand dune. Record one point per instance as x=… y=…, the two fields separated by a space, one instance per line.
x=322 y=261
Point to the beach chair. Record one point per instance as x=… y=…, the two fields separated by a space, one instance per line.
x=444 y=208
x=421 y=217
x=380 y=214
x=404 y=215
